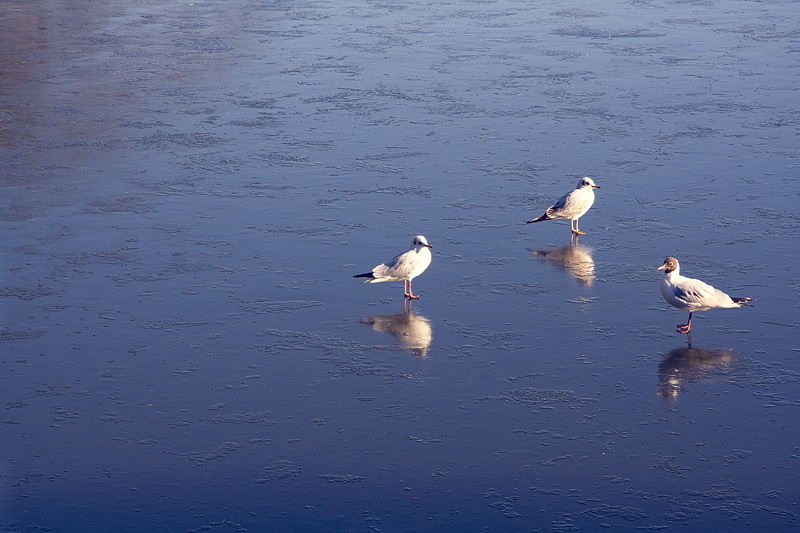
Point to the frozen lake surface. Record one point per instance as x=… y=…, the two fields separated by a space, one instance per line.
x=188 y=189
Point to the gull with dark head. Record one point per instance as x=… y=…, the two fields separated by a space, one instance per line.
x=403 y=267
x=572 y=205
x=693 y=295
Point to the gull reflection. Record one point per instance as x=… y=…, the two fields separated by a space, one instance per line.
x=413 y=331
x=689 y=364
x=575 y=259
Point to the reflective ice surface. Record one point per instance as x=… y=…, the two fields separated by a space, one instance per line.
x=188 y=188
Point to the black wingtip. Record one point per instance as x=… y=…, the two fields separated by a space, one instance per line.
x=367 y=275
x=743 y=301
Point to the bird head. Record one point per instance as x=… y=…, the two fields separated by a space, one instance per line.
x=420 y=241
x=670 y=265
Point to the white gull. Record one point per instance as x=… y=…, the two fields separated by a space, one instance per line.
x=688 y=294
x=572 y=205
x=403 y=267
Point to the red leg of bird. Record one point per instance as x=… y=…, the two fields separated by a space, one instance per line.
x=575 y=230
x=685 y=328
x=410 y=294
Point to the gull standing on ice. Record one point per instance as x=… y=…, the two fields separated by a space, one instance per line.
x=572 y=205
x=693 y=295
x=404 y=267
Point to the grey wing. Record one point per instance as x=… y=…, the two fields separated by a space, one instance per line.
x=575 y=203
x=571 y=204
x=399 y=267
x=685 y=295
x=561 y=203
x=697 y=293
x=557 y=209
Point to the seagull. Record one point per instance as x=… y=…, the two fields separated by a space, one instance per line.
x=693 y=295
x=403 y=267
x=572 y=205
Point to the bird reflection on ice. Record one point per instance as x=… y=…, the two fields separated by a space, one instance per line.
x=687 y=364
x=575 y=259
x=413 y=331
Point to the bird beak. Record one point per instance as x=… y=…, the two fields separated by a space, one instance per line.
x=595 y=186
x=662 y=267
x=429 y=246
